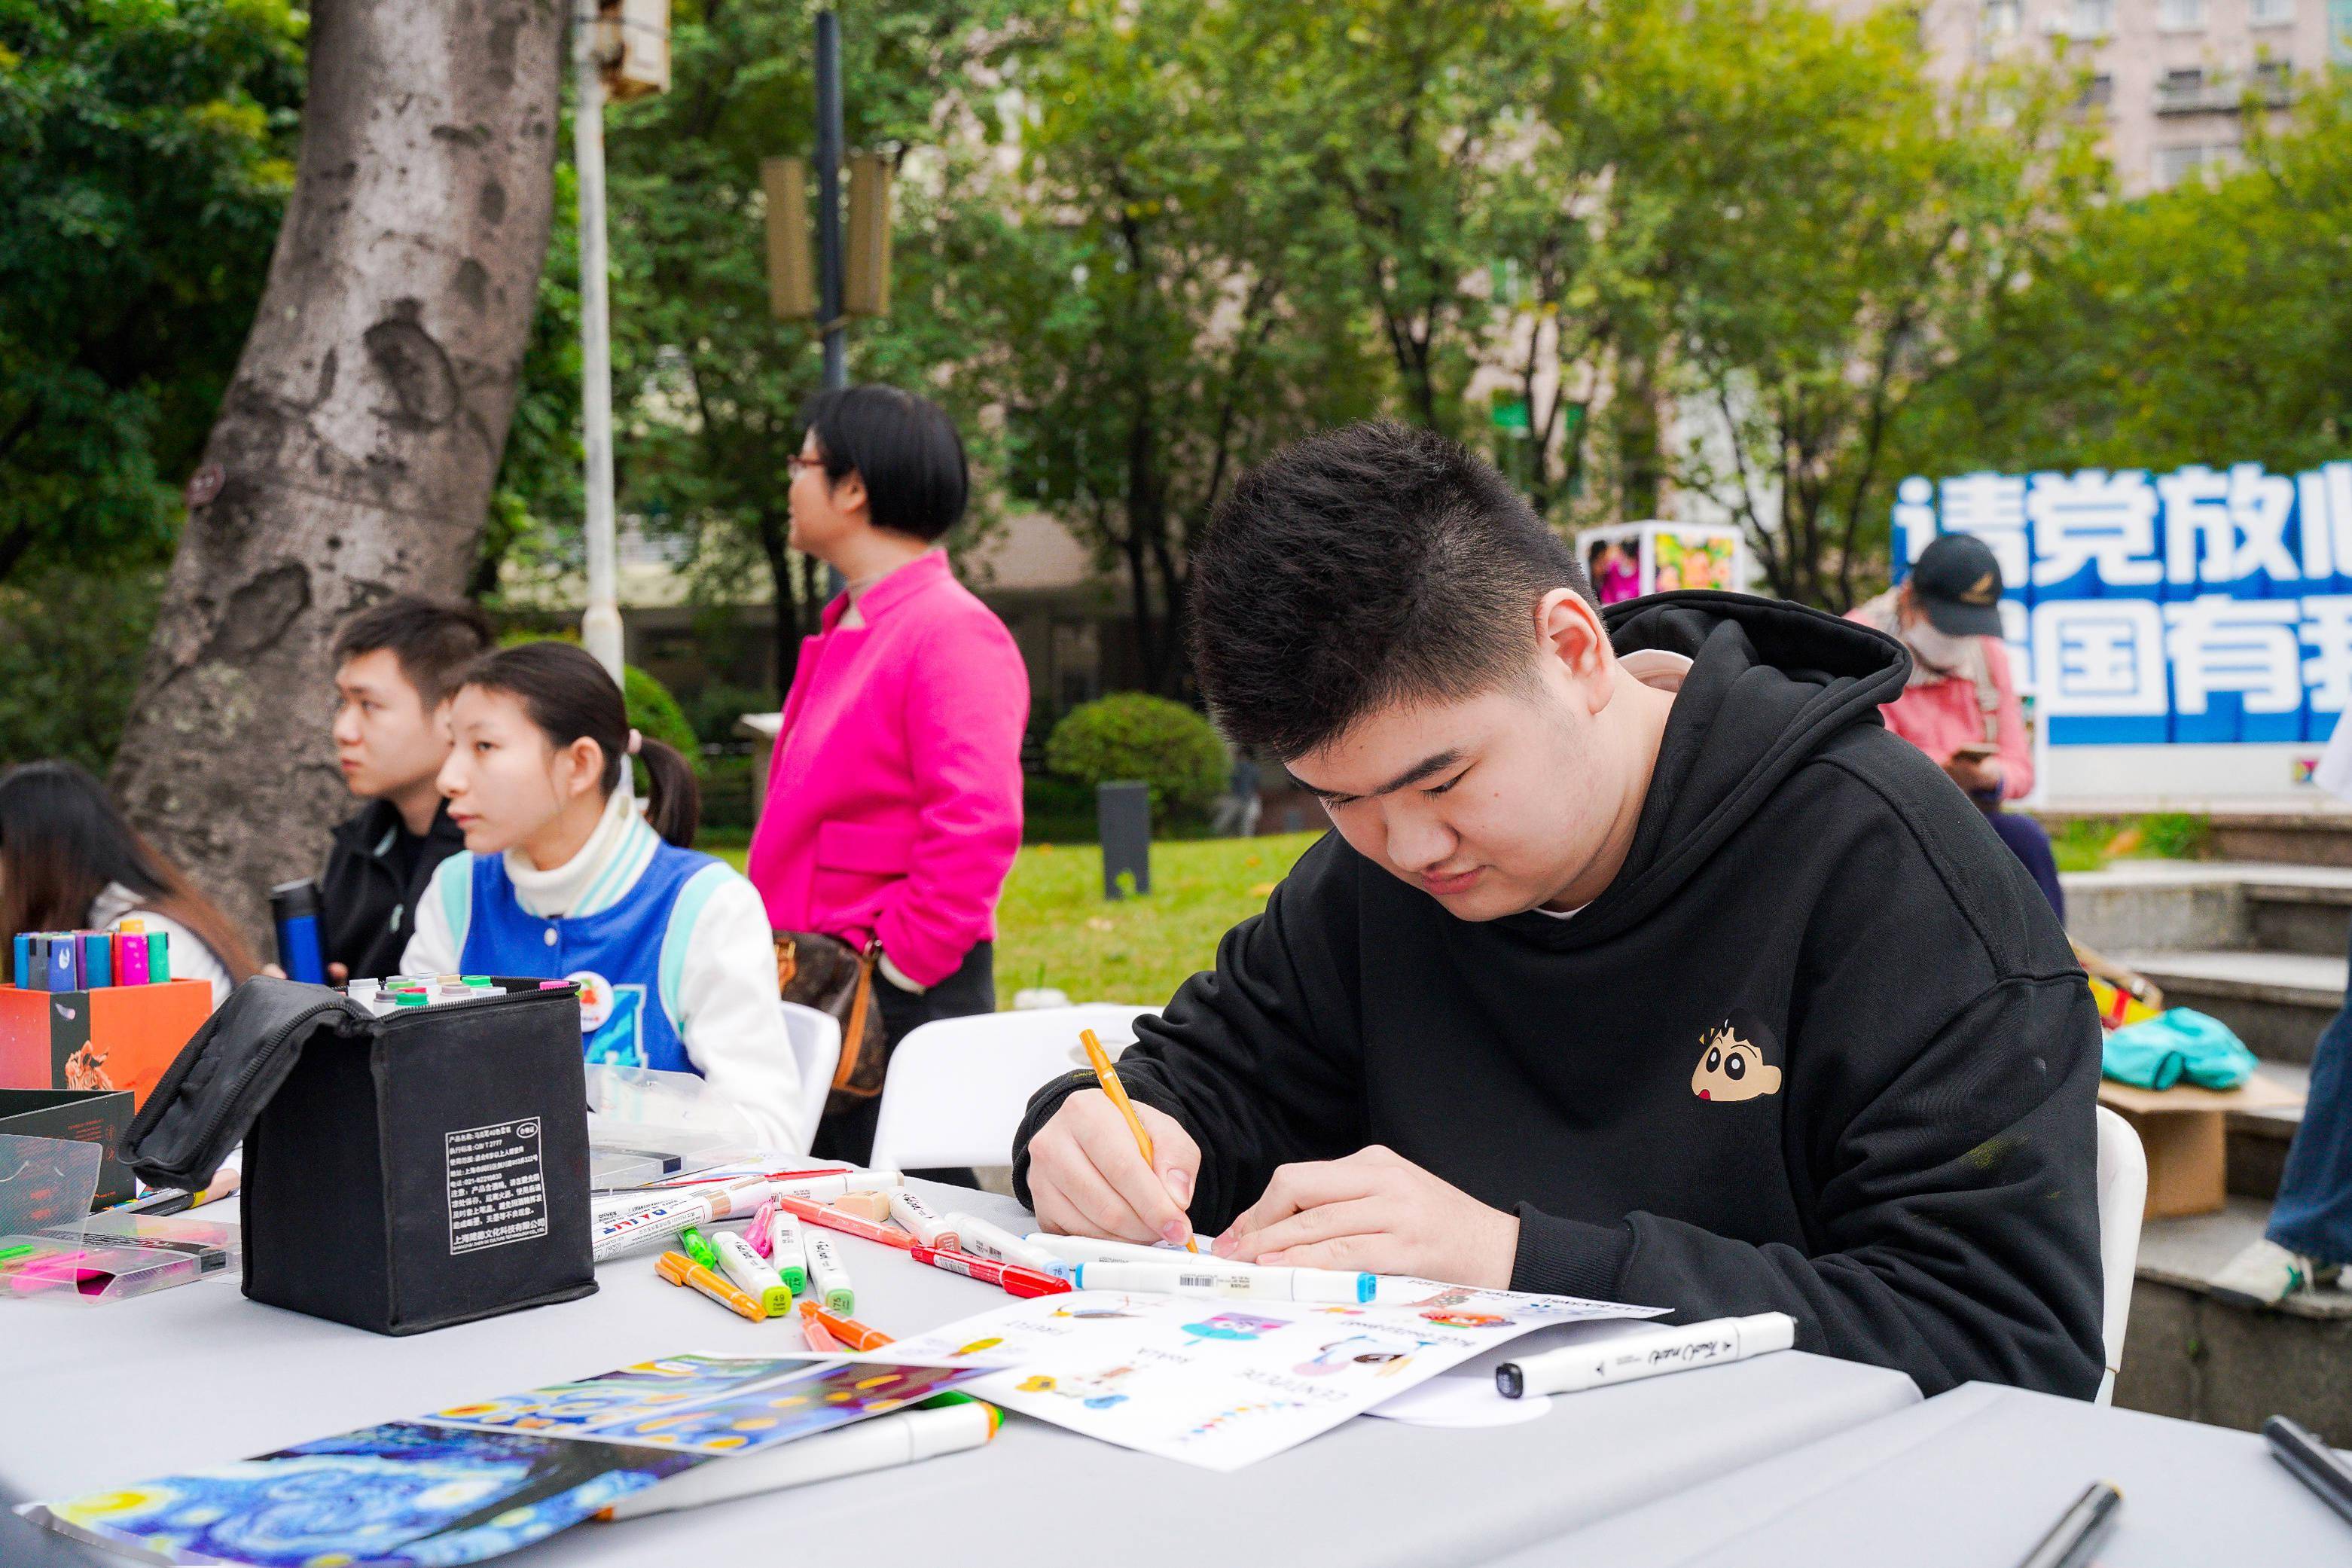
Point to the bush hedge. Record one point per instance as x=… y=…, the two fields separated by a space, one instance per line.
x=1130 y=735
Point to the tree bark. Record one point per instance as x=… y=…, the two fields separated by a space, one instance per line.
x=357 y=445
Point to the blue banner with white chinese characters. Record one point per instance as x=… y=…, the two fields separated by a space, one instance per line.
x=2204 y=604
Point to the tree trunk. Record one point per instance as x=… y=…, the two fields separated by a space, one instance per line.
x=356 y=447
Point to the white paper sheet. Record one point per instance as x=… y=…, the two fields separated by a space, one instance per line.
x=1222 y=1383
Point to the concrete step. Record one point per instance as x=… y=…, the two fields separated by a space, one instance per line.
x=2277 y=1002
x=2187 y=1353
x=2210 y=906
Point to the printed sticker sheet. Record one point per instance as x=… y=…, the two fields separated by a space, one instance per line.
x=1223 y=1384
x=473 y=1481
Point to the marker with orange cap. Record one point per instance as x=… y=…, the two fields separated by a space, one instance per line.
x=847 y=1330
x=679 y=1269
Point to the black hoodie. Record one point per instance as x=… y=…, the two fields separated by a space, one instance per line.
x=1821 y=1047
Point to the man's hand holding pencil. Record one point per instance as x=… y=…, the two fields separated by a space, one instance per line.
x=1087 y=1177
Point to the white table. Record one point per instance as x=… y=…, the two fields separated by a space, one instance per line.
x=1972 y=1479
x=197 y=1375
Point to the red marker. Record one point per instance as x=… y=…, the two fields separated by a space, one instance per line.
x=1009 y=1276
x=847 y=1224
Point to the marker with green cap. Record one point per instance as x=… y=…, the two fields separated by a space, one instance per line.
x=697 y=1246
x=751 y=1274
x=158 y=957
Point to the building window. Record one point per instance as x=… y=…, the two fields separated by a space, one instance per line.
x=2097 y=19
x=2180 y=16
x=2194 y=160
x=2274 y=82
x=2181 y=92
x=2269 y=13
x=2098 y=92
x=1997 y=25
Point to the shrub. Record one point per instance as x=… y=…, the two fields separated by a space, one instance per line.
x=72 y=644
x=1130 y=735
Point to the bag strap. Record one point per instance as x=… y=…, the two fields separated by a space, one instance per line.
x=853 y=1033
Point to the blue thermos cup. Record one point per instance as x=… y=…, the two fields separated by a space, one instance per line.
x=294 y=907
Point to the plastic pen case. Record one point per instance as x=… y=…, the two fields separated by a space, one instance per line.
x=117 y=1256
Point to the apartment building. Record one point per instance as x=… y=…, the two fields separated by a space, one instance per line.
x=2171 y=77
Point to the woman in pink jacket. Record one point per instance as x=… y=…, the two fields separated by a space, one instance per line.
x=894 y=798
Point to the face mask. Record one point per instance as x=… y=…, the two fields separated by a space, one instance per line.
x=1939 y=649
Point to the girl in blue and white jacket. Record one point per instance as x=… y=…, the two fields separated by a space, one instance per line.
x=564 y=878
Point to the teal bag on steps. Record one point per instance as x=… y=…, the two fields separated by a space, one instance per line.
x=2177 y=1044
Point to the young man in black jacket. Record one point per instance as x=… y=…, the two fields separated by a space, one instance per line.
x=1645 y=965
x=395 y=669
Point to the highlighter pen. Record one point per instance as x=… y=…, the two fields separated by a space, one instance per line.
x=1207 y=1277
x=994 y=1241
x=20 y=953
x=1107 y=1076
x=1646 y=1354
x=744 y=1267
x=158 y=957
x=96 y=961
x=829 y=1184
x=828 y=1276
x=927 y=1225
x=788 y=1249
x=883 y=1443
x=2311 y=1461
x=701 y=1250
x=679 y=1269
x=1008 y=1277
x=847 y=1224
x=844 y=1327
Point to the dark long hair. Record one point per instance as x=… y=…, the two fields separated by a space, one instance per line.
x=62 y=841
x=568 y=695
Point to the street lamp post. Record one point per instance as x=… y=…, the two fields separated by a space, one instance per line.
x=600 y=623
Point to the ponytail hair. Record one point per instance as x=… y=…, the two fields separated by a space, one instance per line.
x=568 y=695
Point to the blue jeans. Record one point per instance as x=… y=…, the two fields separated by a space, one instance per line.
x=2313 y=1215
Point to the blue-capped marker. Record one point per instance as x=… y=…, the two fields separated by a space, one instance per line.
x=97 y=960
x=1208 y=1277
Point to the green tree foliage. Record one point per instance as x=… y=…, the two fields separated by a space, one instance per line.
x=144 y=149
x=1133 y=735
x=70 y=643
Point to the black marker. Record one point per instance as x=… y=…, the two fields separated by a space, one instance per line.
x=2311 y=1462
x=2079 y=1530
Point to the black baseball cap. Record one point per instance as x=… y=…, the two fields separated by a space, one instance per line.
x=1957 y=582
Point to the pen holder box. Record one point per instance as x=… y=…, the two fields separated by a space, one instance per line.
x=402 y=1172
x=93 y=1117
x=116 y=1036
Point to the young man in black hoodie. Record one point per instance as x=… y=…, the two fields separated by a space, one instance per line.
x=396 y=665
x=1645 y=965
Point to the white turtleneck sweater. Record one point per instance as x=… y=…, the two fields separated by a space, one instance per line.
x=727 y=1012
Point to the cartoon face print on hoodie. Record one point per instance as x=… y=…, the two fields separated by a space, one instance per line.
x=1731 y=1068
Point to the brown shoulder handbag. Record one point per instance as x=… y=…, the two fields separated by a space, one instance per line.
x=828 y=974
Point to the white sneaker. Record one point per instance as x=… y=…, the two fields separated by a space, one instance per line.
x=2265 y=1274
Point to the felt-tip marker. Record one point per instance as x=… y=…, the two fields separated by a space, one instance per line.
x=788 y=1249
x=828 y=1276
x=1205 y=1278
x=1008 y=1277
x=994 y=1241
x=926 y=1224
x=903 y=1438
x=699 y=1247
x=844 y=1327
x=750 y=1271
x=679 y=1269
x=847 y=1224
x=1648 y=1352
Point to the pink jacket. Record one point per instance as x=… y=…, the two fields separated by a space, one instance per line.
x=1941 y=718
x=894 y=798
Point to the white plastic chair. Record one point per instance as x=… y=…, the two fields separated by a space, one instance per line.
x=2122 y=1202
x=815 y=1039
x=957 y=1088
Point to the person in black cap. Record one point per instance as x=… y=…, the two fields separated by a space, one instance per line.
x=1959 y=704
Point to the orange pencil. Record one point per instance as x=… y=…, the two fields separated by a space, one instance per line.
x=849 y=1330
x=1108 y=1076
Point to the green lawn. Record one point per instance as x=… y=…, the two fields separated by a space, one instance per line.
x=1054 y=922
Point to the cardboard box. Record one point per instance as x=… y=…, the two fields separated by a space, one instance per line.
x=99 y=1117
x=2183 y=1130
x=118 y=1037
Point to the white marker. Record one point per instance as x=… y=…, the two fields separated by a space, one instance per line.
x=930 y=1227
x=1208 y=1277
x=995 y=1241
x=787 y=1250
x=750 y=1273
x=874 y=1445
x=824 y=1189
x=1089 y=1249
x=658 y=1224
x=1646 y=1355
x=828 y=1276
